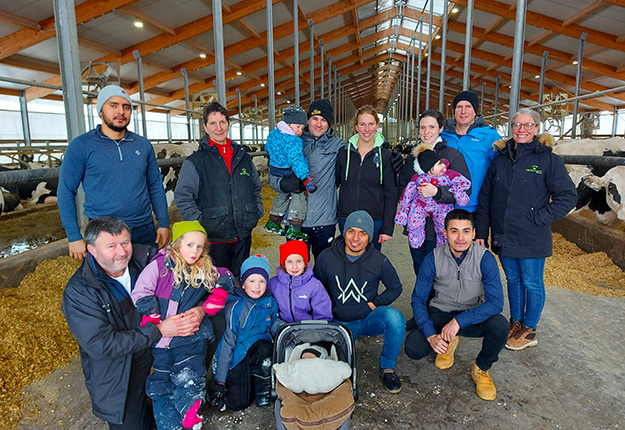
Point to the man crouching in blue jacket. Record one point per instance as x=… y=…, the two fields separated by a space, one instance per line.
x=467 y=301
x=351 y=270
x=114 y=349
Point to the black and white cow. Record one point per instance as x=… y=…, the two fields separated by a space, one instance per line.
x=170 y=174
x=612 y=185
x=591 y=194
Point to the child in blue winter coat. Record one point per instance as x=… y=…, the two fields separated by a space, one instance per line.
x=242 y=363
x=176 y=281
x=413 y=208
x=286 y=159
x=299 y=294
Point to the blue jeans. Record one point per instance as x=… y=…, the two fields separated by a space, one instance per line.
x=377 y=225
x=418 y=254
x=386 y=321
x=145 y=234
x=526 y=289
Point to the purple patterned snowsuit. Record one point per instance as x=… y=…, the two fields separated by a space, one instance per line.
x=413 y=209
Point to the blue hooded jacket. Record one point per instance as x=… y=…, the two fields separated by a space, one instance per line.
x=477 y=149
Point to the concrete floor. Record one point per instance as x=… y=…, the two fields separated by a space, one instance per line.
x=574 y=379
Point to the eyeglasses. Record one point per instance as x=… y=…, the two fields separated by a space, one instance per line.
x=526 y=125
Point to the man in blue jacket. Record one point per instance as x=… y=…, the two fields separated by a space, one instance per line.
x=468 y=133
x=118 y=171
x=114 y=349
x=351 y=270
x=468 y=299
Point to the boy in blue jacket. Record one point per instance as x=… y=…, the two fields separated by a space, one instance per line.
x=286 y=158
x=242 y=363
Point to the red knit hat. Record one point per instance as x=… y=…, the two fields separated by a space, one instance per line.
x=293 y=247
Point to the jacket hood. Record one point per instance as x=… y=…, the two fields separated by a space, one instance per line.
x=378 y=140
x=540 y=142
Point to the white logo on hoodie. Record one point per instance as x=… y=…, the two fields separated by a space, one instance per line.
x=351 y=290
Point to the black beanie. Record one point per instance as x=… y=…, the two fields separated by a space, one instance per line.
x=427 y=159
x=469 y=96
x=321 y=107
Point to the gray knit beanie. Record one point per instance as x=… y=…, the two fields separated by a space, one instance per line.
x=108 y=92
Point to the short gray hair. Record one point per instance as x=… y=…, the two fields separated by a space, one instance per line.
x=529 y=112
x=107 y=224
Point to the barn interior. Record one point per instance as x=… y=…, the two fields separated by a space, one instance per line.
x=565 y=59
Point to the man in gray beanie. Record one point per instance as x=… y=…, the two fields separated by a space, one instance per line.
x=351 y=271
x=119 y=174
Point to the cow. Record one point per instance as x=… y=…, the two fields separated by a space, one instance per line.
x=9 y=201
x=170 y=174
x=613 y=185
x=591 y=197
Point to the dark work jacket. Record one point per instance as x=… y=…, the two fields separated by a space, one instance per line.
x=352 y=285
x=524 y=191
x=228 y=201
x=369 y=184
x=102 y=318
x=456 y=162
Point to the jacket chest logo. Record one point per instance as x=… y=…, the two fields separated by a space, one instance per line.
x=244 y=172
x=351 y=290
x=137 y=152
x=534 y=169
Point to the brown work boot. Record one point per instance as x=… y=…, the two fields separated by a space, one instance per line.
x=484 y=386
x=523 y=338
x=516 y=328
x=446 y=360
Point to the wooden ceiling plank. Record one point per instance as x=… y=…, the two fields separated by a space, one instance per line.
x=19 y=21
x=26 y=37
x=147 y=19
x=97 y=46
x=582 y=13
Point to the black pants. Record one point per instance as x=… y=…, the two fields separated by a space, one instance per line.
x=250 y=376
x=231 y=255
x=319 y=238
x=219 y=327
x=137 y=413
x=494 y=330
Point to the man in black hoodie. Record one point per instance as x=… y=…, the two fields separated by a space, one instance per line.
x=351 y=270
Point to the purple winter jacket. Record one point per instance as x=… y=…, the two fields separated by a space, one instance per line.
x=300 y=297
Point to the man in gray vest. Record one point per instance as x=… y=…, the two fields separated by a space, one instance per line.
x=467 y=300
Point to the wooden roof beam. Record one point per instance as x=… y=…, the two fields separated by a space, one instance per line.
x=582 y=13
x=97 y=46
x=19 y=21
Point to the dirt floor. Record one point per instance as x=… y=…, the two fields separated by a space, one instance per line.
x=573 y=379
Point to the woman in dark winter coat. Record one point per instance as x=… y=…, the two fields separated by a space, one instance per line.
x=526 y=188
x=430 y=128
x=366 y=178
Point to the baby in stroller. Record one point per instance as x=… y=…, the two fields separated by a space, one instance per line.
x=302 y=352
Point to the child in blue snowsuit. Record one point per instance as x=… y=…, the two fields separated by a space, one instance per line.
x=177 y=280
x=286 y=159
x=242 y=363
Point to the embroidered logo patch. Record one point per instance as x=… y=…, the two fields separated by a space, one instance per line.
x=137 y=152
x=534 y=169
x=244 y=172
x=315 y=112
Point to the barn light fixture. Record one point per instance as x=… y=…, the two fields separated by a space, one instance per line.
x=202 y=55
x=262 y=84
x=537 y=76
x=454 y=10
x=239 y=73
x=279 y=93
x=138 y=24
x=575 y=63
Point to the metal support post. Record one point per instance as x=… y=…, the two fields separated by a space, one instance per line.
x=497 y=99
x=186 y=101
x=296 y=49
x=427 y=87
x=615 y=121
x=312 y=59
x=220 y=68
x=339 y=101
x=168 y=117
x=329 y=78
x=90 y=118
x=321 y=87
x=334 y=92
x=411 y=116
x=517 y=57
x=144 y=122
x=406 y=101
x=25 y=123
x=255 y=129
x=271 y=87
x=421 y=19
x=541 y=88
x=482 y=98
x=67 y=41
x=578 y=81
x=241 y=136
x=136 y=118
x=441 y=93
x=466 y=77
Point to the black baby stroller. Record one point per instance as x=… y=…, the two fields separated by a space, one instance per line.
x=334 y=337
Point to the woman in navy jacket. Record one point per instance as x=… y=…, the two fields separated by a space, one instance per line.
x=526 y=188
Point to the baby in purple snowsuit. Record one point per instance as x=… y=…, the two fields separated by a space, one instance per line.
x=414 y=208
